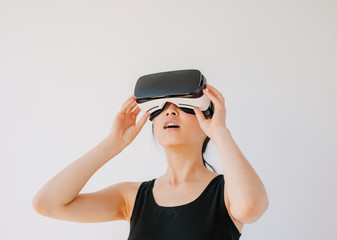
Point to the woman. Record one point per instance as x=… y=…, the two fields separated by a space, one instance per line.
x=187 y=202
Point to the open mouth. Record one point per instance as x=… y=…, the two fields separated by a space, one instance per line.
x=171 y=127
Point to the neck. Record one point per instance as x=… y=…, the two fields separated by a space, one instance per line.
x=184 y=164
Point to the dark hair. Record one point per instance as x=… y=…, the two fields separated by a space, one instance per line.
x=202 y=150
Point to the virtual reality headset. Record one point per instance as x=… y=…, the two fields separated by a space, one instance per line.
x=181 y=87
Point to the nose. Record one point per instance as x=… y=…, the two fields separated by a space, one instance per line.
x=170 y=108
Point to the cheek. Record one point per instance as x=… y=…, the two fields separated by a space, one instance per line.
x=197 y=131
x=193 y=129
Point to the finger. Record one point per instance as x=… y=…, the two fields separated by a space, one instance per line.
x=214 y=91
x=136 y=111
x=141 y=122
x=214 y=99
x=130 y=97
x=126 y=105
x=199 y=114
x=131 y=108
x=128 y=100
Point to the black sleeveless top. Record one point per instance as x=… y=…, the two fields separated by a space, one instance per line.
x=205 y=218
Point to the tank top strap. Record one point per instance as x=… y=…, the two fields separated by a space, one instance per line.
x=145 y=197
x=142 y=198
x=204 y=218
x=208 y=190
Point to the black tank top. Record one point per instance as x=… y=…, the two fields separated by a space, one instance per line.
x=205 y=218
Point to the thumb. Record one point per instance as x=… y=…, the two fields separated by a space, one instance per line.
x=199 y=114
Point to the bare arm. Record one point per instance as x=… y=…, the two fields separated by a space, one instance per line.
x=60 y=198
x=244 y=188
x=66 y=185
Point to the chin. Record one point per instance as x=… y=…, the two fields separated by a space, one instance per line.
x=172 y=143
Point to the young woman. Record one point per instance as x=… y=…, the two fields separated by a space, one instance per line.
x=187 y=202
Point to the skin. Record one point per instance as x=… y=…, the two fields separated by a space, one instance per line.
x=245 y=196
x=186 y=176
x=182 y=146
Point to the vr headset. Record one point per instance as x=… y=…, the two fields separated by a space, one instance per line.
x=181 y=87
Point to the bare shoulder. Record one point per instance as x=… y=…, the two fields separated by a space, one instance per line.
x=130 y=190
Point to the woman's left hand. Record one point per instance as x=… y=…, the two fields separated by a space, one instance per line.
x=212 y=125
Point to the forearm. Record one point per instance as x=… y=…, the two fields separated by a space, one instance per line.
x=67 y=184
x=245 y=190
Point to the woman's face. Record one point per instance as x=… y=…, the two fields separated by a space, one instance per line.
x=188 y=133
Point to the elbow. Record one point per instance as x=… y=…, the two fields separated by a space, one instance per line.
x=251 y=212
x=41 y=206
x=38 y=205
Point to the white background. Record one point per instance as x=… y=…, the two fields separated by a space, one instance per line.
x=66 y=67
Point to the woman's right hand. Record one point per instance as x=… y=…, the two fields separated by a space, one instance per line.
x=124 y=128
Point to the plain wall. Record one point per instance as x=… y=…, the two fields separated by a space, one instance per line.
x=66 y=67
